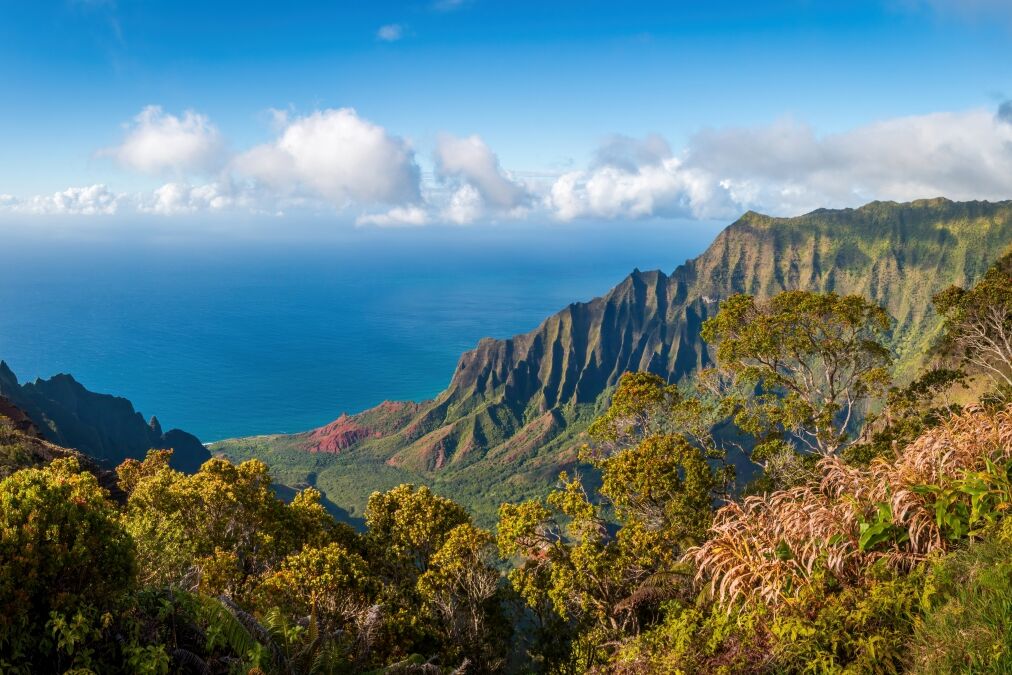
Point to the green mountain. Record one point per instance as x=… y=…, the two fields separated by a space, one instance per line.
x=104 y=427
x=513 y=412
x=22 y=446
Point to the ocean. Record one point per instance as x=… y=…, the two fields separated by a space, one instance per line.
x=228 y=338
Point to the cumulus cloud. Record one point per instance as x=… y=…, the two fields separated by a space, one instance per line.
x=334 y=158
x=471 y=167
x=84 y=201
x=399 y=216
x=179 y=198
x=159 y=142
x=636 y=179
x=786 y=168
x=392 y=32
x=629 y=154
x=465 y=206
x=337 y=156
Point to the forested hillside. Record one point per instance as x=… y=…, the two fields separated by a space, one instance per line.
x=878 y=547
x=514 y=411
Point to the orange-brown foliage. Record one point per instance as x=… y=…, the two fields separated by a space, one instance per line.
x=764 y=548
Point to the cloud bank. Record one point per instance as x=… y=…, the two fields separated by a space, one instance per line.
x=80 y=201
x=334 y=161
x=786 y=168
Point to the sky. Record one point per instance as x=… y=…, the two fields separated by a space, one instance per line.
x=475 y=113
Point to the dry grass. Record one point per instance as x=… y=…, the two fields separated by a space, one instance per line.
x=764 y=548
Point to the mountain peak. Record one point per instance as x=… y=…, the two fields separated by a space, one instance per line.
x=7 y=376
x=515 y=408
x=100 y=425
x=755 y=219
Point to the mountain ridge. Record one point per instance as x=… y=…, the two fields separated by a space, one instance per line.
x=102 y=426
x=511 y=414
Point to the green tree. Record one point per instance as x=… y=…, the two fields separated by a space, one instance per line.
x=908 y=412
x=407 y=525
x=462 y=588
x=66 y=565
x=580 y=577
x=220 y=529
x=800 y=364
x=406 y=528
x=978 y=323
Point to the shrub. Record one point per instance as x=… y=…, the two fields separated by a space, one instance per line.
x=950 y=480
x=65 y=565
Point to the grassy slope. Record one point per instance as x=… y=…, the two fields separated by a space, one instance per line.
x=515 y=408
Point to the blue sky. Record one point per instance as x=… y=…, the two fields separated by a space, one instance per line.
x=474 y=111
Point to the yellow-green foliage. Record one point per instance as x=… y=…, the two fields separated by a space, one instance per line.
x=801 y=362
x=581 y=579
x=331 y=583
x=968 y=625
x=218 y=529
x=462 y=588
x=66 y=563
x=889 y=558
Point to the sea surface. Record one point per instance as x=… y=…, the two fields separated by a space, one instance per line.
x=229 y=338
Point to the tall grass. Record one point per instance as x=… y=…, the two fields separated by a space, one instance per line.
x=765 y=548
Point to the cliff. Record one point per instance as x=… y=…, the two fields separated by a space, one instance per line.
x=512 y=413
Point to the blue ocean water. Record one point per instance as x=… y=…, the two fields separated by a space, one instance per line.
x=225 y=338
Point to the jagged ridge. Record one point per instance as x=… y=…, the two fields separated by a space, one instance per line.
x=508 y=418
x=104 y=427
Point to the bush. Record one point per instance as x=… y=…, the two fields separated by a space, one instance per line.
x=66 y=564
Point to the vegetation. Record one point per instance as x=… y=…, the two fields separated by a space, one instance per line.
x=515 y=409
x=880 y=549
x=978 y=324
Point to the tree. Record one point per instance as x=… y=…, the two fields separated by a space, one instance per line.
x=978 y=323
x=220 y=529
x=800 y=364
x=328 y=594
x=909 y=411
x=645 y=405
x=66 y=565
x=462 y=587
x=407 y=525
x=581 y=578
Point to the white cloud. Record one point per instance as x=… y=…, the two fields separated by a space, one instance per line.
x=399 y=216
x=636 y=179
x=786 y=168
x=392 y=32
x=334 y=158
x=465 y=206
x=92 y=200
x=470 y=161
x=84 y=201
x=337 y=156
x=179 y=198
x=158 y=142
